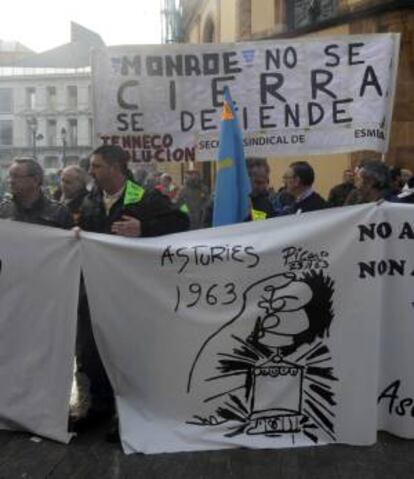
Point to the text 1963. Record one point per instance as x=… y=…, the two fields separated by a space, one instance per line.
x=211 y=295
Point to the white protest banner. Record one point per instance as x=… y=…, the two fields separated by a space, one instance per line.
x=262 y=335
x=295 y=97
x=39 y=287
x=395 y=273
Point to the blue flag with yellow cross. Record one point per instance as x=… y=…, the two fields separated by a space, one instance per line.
x=232 y=200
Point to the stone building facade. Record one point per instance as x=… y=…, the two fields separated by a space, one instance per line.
x=241 y=20
x=46 y=103
x=46 y=115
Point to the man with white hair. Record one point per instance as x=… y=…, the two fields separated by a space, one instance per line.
x=74 y=180
x=373 y=183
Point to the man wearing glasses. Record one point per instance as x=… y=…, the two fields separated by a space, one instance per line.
x=298 y=180
x=28 y=203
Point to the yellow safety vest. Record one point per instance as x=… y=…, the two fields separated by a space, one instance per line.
x=258 y=215
x=133 y=193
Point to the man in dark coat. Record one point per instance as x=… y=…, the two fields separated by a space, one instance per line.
x=120 y=206
x=298 y=179
x=28 y=203
x=262 y=207
x=117 y=206
x=339 y=193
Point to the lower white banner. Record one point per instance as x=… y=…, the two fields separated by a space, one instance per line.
x=396 y=271
x=39 y=287
x=286 y=332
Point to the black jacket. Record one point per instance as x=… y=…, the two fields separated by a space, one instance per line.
x=74 y=205
x=44 y=212
x=157 y=214
x=311 y=203
x=339 y=194
x=262 y=203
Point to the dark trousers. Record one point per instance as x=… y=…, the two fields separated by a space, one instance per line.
x=89 y=361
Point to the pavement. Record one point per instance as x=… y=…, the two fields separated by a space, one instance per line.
x=89 y=456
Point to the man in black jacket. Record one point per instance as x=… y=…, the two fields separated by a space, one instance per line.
x=28 y=203
x=262 y=207
x=298 y=180
x=120 y=206
x=117 y=206
x=339 y=193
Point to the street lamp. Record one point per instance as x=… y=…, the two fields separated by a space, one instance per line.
x=32 y=122
x=63 y=136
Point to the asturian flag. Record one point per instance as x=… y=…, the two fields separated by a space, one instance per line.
x=232 y=201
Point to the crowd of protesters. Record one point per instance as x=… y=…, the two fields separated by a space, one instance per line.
x=103 y=195
x=371 y=180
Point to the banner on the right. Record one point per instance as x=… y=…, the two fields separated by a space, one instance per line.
x=288 y=332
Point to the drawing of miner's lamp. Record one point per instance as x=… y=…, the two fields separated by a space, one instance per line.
x=276 y=402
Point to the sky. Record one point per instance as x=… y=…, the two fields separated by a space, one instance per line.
x=44 y=24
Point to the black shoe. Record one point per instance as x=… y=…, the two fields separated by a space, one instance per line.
x=112 y=434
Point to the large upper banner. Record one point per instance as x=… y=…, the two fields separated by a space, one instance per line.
x=295 y=97
x=288 y=332
x=39 y=287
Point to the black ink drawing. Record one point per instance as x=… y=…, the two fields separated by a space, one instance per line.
x=267 y=371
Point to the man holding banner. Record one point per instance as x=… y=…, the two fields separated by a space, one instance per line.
x=117 y=206
x=120 y=206
x=28 y=203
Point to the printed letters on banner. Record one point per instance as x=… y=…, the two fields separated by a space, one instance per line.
x=294 y=97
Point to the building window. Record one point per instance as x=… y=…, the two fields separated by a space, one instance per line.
x=31 y=98
x=51 y=162
x=73 y=132
x=29 y=133
x=51 y=97
x=72 y=97
x=301 y=13
x=6 y=133
x=51 y=132
x=32 y=131
x=6 y=100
